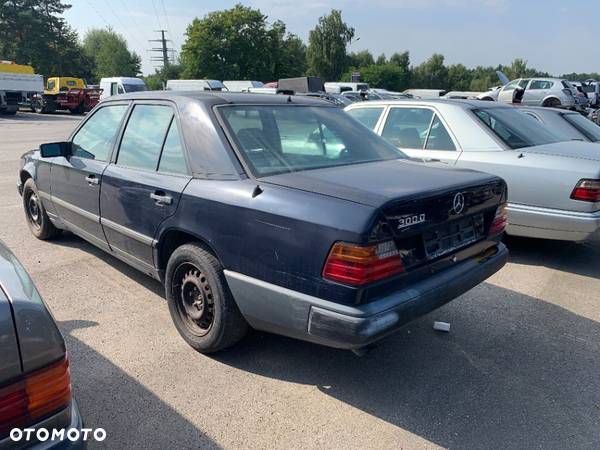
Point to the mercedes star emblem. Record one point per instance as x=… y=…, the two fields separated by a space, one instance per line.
x=459 y=203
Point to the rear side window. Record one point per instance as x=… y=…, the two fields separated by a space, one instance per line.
x=541 y=84
x=439 y=138
x=144 y=136
x=95 y=138
x=367 y=116
x=407 y=127
x=172 y=159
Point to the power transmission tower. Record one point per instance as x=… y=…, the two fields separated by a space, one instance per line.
x=164 y=49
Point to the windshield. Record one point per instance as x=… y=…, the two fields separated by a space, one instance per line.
x=585 y=126
x=134 y=87
x=289 y=138
x=515 y=128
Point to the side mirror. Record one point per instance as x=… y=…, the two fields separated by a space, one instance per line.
x=55 y=149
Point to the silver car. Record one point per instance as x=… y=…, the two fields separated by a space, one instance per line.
x=553 y=186
x=552 y=92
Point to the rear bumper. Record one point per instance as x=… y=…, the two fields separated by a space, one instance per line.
x=71 y=417
x=545 y=223
x=279 y=310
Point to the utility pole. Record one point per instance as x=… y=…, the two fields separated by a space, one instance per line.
x=164 y=49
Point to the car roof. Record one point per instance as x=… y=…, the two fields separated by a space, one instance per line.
x=460 y=103
x=547 y=110
x=216 y=98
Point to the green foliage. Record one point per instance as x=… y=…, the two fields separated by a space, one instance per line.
x=381 y=59
x=360 y=59
x=431 y=74
x=326 y=53
x=387 y=76
x=109 y=52
x=237 y=44
x=32 y=32
x=459 y=78
x=158 y=79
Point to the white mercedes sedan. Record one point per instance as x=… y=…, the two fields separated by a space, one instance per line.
x=553 y=186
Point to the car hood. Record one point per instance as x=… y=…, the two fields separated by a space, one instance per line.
x=374 y=184
x=568 y=149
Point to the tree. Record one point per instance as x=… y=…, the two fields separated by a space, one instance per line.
x=402 y=60
x=386 y=76
x=155 y=81
x=33 y=32
x=459 y=78
x=326 y=53
x=431 y=74
x=237 y=44
x=360 y=59
x=381 y=60
x=110 y=54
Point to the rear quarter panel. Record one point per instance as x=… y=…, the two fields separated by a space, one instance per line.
x=281 y=236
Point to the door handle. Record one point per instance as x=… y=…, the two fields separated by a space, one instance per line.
x=92 y=180
x=160 y=198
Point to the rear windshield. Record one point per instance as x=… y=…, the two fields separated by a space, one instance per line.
x=585 y=126
x=289 y=138
x=515 y=128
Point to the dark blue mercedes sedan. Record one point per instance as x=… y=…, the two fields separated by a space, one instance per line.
x=277 y=212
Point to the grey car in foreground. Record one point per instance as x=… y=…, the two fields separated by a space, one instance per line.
x=553 y=185
x=35 y=383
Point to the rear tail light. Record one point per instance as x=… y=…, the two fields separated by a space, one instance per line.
x=35 y=396
x=500 y=221
x=587 y=191
x=358 y=265
x=568 y=92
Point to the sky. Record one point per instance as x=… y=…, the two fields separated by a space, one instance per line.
x=555 y=36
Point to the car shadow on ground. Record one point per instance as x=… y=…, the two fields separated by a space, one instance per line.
x=514 y=372
x=27 y=116
x=67 y=239
x=577 y=258
x=132 y=415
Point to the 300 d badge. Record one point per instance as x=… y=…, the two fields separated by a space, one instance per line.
x=408 y=221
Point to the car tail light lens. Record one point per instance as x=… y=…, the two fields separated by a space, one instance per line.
x=35 y=396
x=587 y=191
x=357 y=265
x=500 y=221
x=568 y=92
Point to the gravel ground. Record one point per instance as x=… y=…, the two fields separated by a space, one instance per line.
x=519 y=369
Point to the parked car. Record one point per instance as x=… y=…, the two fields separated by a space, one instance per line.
x=552 y=92
x=35 y=383
x=553 y=186
x=274 y=211
x=195 y=85
x=425 y=93
x=338 y=87
x=336 y=99
x=592 y=90
x=121 y=85
x=241 y=85
x=65 y=94
x=569 y=125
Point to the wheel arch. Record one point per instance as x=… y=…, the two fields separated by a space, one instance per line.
x=171 y=239
x=551 y=98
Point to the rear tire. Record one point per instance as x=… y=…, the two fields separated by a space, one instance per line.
x=78 y=109
x=551 y=103
x=201 y=305
x=37 y=218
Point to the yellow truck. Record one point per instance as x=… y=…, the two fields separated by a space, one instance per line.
x=18 y=84
x=66 y=93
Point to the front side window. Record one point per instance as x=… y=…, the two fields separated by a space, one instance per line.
x=367 y=116
x=144 y=135
x=113 y=89
x=95 y=138
x=523 y=83
x=407 y=127
x=51 y=85
x=513 y=84
x=275 y=139
x=514 y=128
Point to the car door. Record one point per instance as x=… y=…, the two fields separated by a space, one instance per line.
x=75 y=180
x=143 y=184
x=535 y=92
x=420 y=132
x=506 y=93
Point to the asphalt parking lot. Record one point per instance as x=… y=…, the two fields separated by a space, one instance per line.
x=519 y=369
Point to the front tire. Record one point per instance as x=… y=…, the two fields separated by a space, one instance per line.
x=35 y=213
x=201 y=305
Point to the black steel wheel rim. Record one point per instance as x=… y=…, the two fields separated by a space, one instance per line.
x=34 y=212
x=193 y=296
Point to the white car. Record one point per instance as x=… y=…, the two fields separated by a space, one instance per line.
x=553 y=186
x=120 y=85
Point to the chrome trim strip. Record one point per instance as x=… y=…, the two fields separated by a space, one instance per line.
x=77 y=210
x=128 y=232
